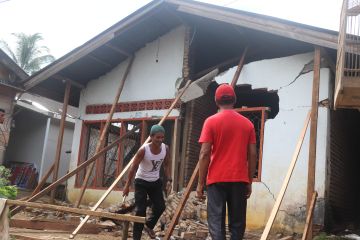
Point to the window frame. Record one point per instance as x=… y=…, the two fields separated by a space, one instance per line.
x=263 y=111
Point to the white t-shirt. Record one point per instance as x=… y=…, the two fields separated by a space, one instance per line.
x=149 y=167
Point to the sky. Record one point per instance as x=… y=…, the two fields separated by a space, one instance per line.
x=67 y=24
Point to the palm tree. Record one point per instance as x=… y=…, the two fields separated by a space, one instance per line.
x=28 y=54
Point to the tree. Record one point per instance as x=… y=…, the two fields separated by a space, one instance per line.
x=28 y=54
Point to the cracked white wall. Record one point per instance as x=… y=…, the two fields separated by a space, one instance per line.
x=281 y=136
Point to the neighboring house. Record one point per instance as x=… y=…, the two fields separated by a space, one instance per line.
x=11 y=76
x=176 y=39
x=33 y=140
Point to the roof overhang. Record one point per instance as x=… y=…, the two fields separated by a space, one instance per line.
x=108 y=49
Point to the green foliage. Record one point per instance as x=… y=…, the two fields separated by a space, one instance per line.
x=28 y=54
x=6 y=191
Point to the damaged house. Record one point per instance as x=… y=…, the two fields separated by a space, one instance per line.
x=172 y=41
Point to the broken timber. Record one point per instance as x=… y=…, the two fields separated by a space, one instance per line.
x=78 y=169
x=212 y=74
x=195 y=174
x=281 y=194
x=309 y=215
x=121 y=217
x=100 y=142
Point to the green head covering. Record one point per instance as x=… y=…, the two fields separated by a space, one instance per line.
x=156 y=129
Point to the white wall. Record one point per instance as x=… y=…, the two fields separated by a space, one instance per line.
x=148 y=79
x=50 y=148
x=281 y=136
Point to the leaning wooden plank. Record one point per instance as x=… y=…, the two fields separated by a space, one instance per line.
x=239 y=68
x=286 y=180
x=60 y=138
x=121 y=217
x=78 y=169
x=309 y=216
x=39 y=224
x=212 y=74
x=182 y=203
x=100 y=142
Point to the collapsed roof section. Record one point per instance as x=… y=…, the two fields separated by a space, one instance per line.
x=218 y=34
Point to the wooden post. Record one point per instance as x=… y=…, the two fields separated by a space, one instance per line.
x=60 y=138
x=239 y=68
x=309 y=215
x=104 y=132
x=313 y=132
x=129 y=164
x=286 y=181
x=182 y=203
x=78 y=169
x=121 y=217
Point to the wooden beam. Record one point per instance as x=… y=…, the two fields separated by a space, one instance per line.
x=40 y=224
x=131 y=161
x=281 y=194
x=239 y=68
x=182 y=203
x=99 y=60
x=60 y=138
x=78 y=169
x=121 y=217
x=332 y=65
x=73 y=83
x=309 y=216
x=118 y=50
x=90 y=46
x=260 y=24
x=313 y=131
x=104 y=131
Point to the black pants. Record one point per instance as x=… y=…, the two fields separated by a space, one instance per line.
x=154 y=191
x=234 y=195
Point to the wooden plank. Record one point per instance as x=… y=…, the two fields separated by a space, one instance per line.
x=264 y=25
x=131 y=161
x=76 y=170
x=60 y=138
x=309 y=215
x=281 y=194
x=182 y=203
x=313 y=130
x=239 y=68
x=89 y=46
x=104 y=131
x=38 y=224
x=121 y=217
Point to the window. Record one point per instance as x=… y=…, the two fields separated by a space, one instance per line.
x=257 y=116
x=110 y=165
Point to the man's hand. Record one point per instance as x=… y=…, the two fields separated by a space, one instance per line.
x=248 y=190
x=126 y=190
x=200 y=192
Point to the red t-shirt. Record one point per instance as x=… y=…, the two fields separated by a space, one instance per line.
x=230 y=134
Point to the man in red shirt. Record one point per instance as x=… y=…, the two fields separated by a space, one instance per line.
x=228 y=159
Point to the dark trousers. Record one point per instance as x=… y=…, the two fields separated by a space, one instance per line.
x=143 y=189
x=234 y=195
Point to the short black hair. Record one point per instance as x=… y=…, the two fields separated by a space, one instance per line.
x=225 y=100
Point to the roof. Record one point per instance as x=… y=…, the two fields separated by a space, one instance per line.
x=106 y=50
x=19 y=73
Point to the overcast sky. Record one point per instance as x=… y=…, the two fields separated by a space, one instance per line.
x=66 y=24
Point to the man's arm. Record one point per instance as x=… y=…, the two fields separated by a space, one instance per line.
x=134 y=166
x=167 y=164
x=204 y=161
